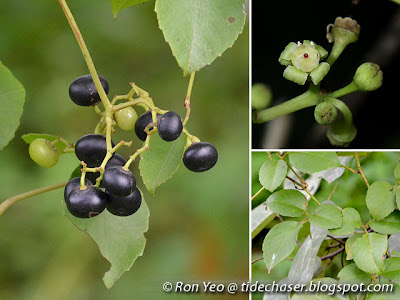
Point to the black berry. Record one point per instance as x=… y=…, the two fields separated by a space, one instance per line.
x=169 y=126
x=73 y=184
x=141 y=124
x=116 y=160
x=200 y=157
x=124 y=206
x=86 y=203
x=83 y=91
x=92 y=149
x=118 y=181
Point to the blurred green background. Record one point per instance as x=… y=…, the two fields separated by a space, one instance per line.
x=349 y=191
x=198 y=222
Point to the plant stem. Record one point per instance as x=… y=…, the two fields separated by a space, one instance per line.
x=360 y=170
x=348 y=89
x=187 y=99
x=337 y=49
x=344 y=109
x=307 y=99
x=11 y=201
x=333 y=254
x=256 y=194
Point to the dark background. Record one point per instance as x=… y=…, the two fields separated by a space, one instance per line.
x=375 y=114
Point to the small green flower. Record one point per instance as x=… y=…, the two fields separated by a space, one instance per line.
x=303 y=60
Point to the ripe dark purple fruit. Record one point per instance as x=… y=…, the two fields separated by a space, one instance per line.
x=200 y=157
x=125 y=206
x=92 y=149
x=86 y=203
x=118 y=181
x=141 y=124
x=169 y=126
x=73 y=184
x=116 y=160
x=83 y=91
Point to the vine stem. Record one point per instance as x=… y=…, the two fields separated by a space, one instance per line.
x=307 y=99
x=92 y=69
x=187 y=99
x=258 y=193
x=360 y=170
x=11 y=201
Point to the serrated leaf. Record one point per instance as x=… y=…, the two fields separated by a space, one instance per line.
x=311 y=162
x=118 y=5
x=368 y=252
x=280 y=242
x=12 y=98
x=389 y=225
x=30 y=137
x=199 y=31
x=351 y=221
x=289 y=203
x=272 y=173
x=353 y=275
x=159 y=164
x=260 y=217
x=349 y=245
x=391 y=268
x=380 y=199
x=326 y=216
x=120 y=239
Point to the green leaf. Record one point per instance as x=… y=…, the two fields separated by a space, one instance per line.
x=394 y=245
x=368 y=252
x=30 y=137
x=280 y=242
x=389 y=225
x=380 y=199
x=349 y=245
x=289 y=203
x=261 y=216
x=118 y=5
x=199 y=31
x=326 y=216
x=396 y=172
x=12 y=98
x=120 y=239
x=351 y=221
x=326 y=295
x=353 y=275
x=391 y=268
x=396 y=1
x=311 y=162
x=159 y=164
x=272 y=174
x=398 y=198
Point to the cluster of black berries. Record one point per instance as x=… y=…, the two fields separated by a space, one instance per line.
x=117 y=191
x=120 y=195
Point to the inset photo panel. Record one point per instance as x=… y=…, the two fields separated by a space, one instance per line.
x=325 y=223
x=324 y=75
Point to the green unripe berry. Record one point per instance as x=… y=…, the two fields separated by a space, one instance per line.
x=261 y=96
x=368 y=77
x=126 y=118
x=325 y=113
x=341 y=133
x=43 y=153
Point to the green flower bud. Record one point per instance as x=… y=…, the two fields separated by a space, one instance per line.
x=325 y=113
x=368 y=77
x=341 y=133
x=344 y=30
x=261 y=96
